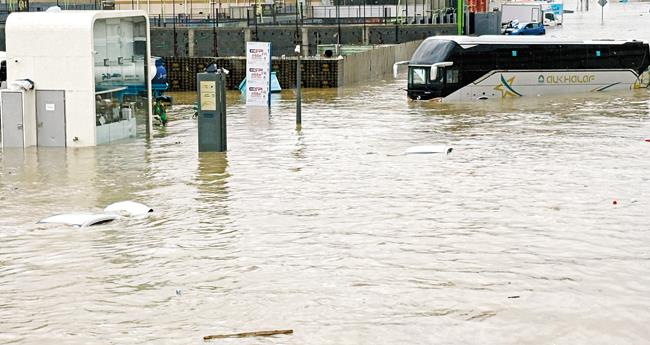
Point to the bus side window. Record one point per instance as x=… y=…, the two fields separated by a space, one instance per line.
x=452 y=76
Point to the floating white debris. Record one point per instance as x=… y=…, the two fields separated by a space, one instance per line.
x=130 y=208
x=113 y=211
x=80 y=219
x=426 y=149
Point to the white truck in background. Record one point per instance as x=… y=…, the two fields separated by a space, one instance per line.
x=531 y=12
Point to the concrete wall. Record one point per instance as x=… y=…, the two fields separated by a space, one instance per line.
x=394 y=34
x=231 y=41
x=374 y=64
x=199 y=42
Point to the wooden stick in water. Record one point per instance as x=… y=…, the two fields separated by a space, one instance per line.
x=249 y=334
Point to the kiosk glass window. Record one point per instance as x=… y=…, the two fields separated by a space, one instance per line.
x=120 y=50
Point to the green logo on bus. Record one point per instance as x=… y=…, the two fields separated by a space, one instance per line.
x=540 y=79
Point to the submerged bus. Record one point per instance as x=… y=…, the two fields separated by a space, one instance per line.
x=462 y=68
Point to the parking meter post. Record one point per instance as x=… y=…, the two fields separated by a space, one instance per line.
x=211 y=87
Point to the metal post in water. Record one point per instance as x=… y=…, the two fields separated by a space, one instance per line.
x=298 y=94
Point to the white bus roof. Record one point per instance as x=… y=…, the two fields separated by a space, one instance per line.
x=497 y=39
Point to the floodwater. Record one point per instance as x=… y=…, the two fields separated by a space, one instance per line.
x=513 y=238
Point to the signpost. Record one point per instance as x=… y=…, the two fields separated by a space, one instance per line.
x=258 y=74
x=602 y=4
x=298 y=94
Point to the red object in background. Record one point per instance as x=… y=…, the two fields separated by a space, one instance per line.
x=647 y=140
x=477 y=5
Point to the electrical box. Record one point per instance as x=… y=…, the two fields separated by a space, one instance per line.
x=211 y=87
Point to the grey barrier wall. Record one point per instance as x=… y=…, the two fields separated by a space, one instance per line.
x=197 y=42
x=374 y=64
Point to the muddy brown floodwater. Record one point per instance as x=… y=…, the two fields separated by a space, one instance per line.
x=513 y=238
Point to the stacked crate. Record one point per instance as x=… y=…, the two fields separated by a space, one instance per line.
x=285 y=70
x=173 y=66
x=316 y=73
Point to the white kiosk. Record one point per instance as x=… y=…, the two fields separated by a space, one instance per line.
x=76 y=78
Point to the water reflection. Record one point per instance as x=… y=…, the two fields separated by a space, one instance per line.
x=258 y=117
x=212 y=183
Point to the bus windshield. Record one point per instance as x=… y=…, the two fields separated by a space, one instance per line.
x=418 y=76
x=432 y=51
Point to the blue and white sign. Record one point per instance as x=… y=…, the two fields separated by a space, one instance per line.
x=258 y=73
x=558 y=10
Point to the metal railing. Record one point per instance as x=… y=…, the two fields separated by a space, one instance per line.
x=341 y=12
x=244 y=16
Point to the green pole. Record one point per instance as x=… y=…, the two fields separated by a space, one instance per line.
x=459 y=16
